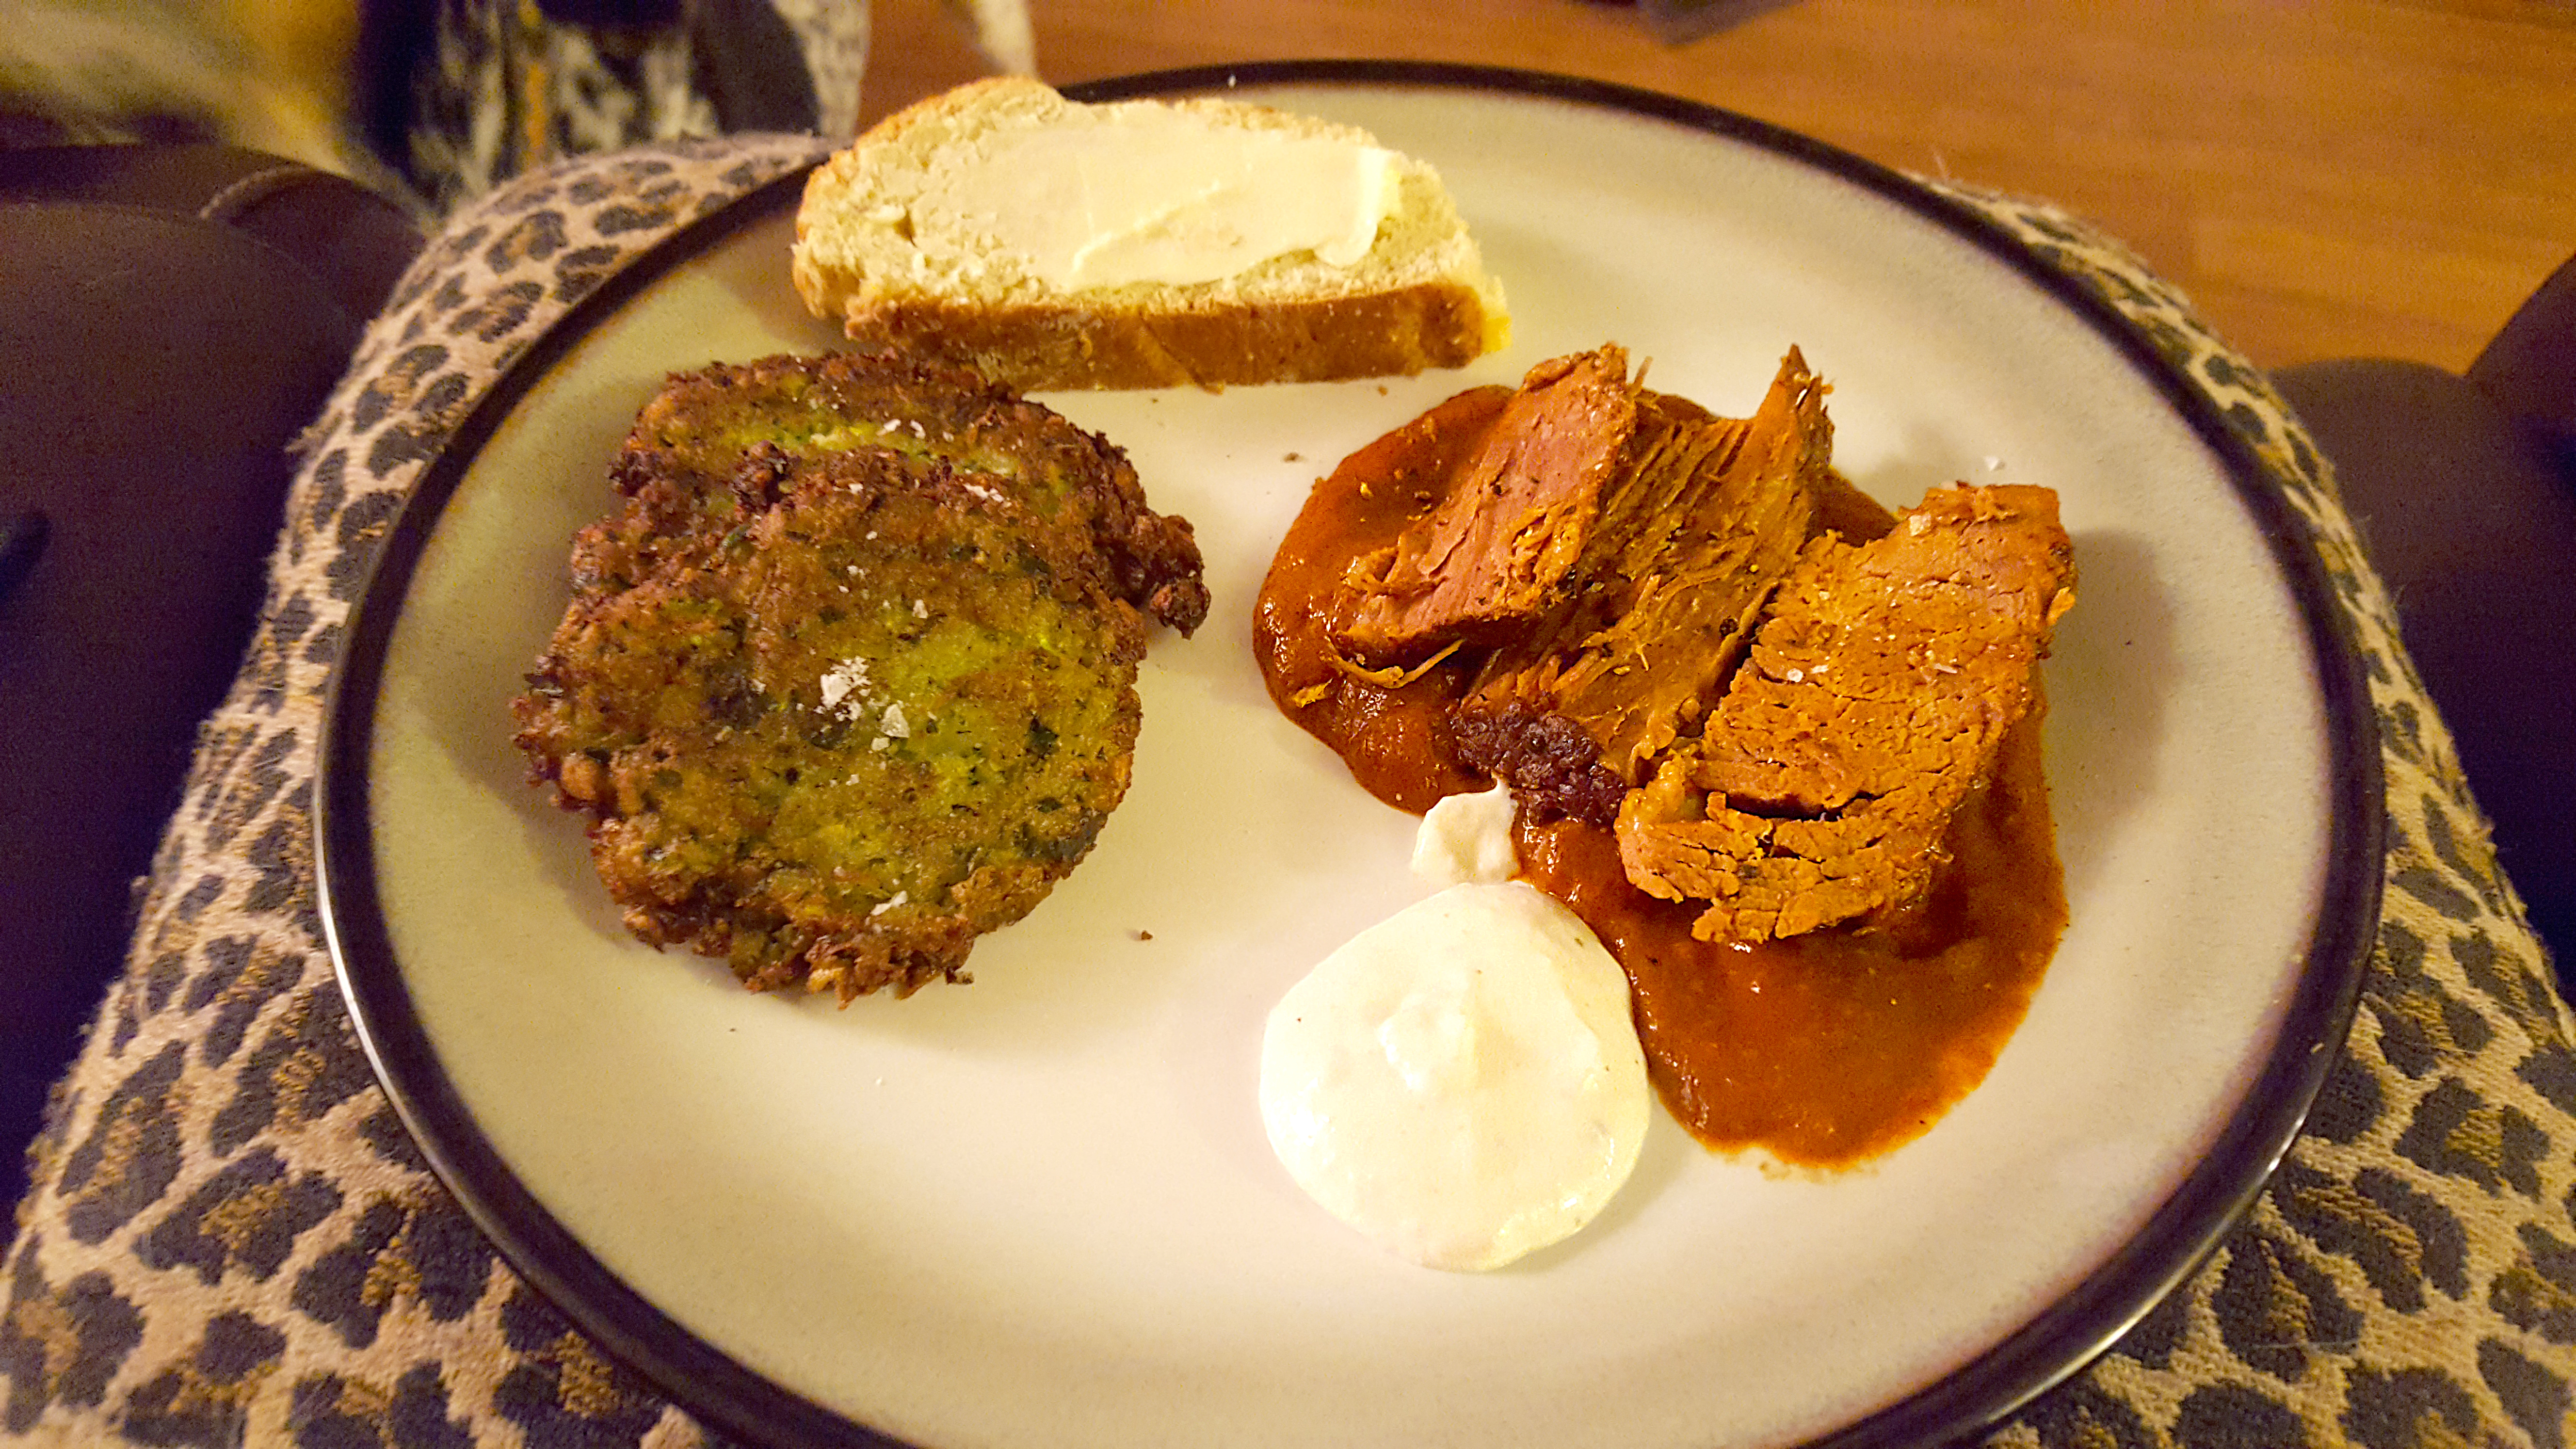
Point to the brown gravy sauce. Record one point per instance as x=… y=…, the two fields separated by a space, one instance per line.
x=1822 y=1050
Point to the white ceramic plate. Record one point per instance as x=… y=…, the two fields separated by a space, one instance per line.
x=1040 y=1210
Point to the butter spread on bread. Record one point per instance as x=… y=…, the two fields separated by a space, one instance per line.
x=1108 y=197
x=1141 y=244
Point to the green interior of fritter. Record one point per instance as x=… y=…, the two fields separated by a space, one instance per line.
x=821 y=431
x=805 y=415
x=898 y=708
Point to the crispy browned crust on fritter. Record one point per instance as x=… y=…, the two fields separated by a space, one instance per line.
x=711 y=448
x=841 y=710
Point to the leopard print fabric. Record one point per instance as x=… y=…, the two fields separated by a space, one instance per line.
x=231 y=1240
x=493 y=88
x=504 y=90
x=2408 y=1278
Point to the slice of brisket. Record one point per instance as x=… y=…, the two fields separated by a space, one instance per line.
x=1874 y=699
x=1495 y=553
x=1698 y=528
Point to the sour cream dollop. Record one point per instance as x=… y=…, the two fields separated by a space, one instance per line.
x=1461 y=1082
x=1467 y=838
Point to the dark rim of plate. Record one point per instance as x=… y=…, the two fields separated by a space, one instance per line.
x=2061 y=1340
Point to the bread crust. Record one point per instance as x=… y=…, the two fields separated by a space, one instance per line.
x=1201 y=335
x=1066 y=345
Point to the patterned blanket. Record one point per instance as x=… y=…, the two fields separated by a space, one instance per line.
x=231 y=1240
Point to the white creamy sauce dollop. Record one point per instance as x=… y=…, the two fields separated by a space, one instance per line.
x=1467 y=838
x=1462 y=1081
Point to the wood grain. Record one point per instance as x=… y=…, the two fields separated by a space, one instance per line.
x=2350 y=179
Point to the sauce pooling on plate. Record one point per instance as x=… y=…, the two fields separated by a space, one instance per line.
x=1823 y=1049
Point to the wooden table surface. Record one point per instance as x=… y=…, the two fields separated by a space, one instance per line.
x=2383 y=179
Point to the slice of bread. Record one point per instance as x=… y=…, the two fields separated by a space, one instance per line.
x=872 y=250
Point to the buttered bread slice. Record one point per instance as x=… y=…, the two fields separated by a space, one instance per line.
x=1052 y=244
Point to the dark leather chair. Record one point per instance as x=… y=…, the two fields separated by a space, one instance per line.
x=2464 y=488
x=170 y=319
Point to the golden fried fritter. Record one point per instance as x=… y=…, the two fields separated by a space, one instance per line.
x=841 y=713
x=710 y=449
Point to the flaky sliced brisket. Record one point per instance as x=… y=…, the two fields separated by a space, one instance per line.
x=1877 y=692
x=1494 y=555
x=1692 y=630
x=1694 y=534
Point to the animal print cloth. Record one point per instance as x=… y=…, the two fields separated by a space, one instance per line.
x=492 y=88
x=478 y=91
x=232 y=1241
